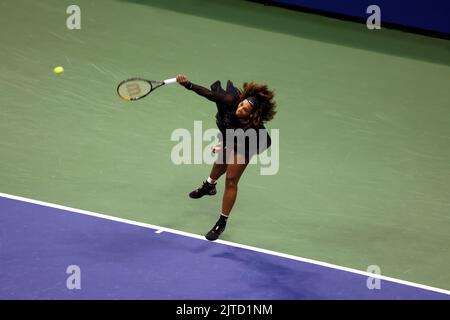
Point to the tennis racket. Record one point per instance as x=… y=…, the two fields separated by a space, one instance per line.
x=137 y=88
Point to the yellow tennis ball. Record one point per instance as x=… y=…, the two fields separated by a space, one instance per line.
x=58 y=70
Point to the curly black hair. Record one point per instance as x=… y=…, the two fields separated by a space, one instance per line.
x=265 y=110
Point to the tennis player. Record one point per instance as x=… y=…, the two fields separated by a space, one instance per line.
x=245 y=109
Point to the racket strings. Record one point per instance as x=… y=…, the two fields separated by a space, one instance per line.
x=134 y=89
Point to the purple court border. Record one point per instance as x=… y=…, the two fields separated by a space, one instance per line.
x=118 y=260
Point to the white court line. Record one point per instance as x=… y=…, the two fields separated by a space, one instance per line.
x=228 y=243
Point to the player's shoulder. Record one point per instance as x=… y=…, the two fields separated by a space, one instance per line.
x=230 y=87
x=217 y=86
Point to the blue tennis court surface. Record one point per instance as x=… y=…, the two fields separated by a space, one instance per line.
x=120 y=260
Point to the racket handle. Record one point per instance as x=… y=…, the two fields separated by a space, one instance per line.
x=170 y=81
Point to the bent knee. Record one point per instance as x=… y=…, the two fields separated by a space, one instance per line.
x=231 y=181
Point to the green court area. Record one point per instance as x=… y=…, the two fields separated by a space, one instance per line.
x=363 y=117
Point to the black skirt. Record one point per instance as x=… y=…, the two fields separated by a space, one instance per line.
x=243 y=143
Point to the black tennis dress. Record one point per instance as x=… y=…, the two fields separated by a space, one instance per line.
x=227 y=102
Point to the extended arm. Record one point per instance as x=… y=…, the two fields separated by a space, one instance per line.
x=215 y=96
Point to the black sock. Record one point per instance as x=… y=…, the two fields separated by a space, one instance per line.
x=222 y=219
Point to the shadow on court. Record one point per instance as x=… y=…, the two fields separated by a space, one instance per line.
x=311 y=26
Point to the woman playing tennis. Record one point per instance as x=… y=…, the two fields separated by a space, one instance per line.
x=239 y=112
